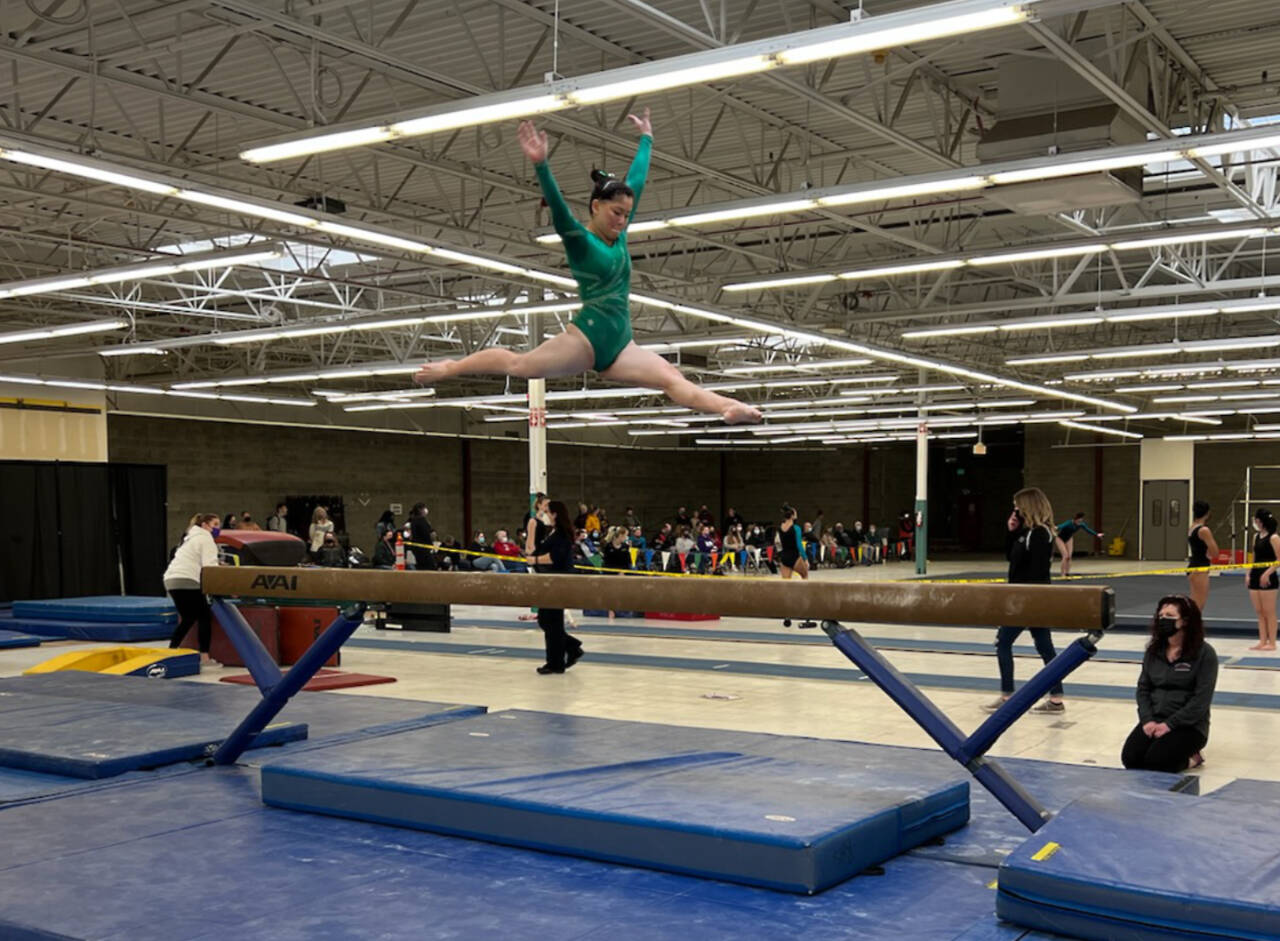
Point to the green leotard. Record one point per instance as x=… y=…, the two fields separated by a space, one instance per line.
x=603 y=271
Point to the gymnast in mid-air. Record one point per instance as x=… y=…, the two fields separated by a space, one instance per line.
x=599 y=337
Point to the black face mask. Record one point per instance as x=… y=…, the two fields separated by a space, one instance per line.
x=1167 y=627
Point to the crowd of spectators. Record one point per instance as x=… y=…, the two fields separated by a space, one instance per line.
x=687 y=541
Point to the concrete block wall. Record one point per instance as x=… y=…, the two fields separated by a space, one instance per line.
x=220 y=467
x=1220 y=472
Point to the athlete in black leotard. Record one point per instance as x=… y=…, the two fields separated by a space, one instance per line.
x=1067 y=533
x=1202 y=550
x=1262 y=580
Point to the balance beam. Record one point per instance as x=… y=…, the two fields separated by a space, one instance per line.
x=1090 y=609
x=1076 y=607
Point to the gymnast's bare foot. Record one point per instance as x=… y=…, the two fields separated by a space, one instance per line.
x=431 y=373
x=741 y=414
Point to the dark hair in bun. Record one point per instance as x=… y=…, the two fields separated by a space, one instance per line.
x=608 y=187
x=1263 y=516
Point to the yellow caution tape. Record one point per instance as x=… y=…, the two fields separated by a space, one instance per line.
x=992 y=580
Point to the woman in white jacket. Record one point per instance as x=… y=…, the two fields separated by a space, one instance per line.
x=182 y=580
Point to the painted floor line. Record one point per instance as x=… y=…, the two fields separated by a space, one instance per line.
x=795 y=671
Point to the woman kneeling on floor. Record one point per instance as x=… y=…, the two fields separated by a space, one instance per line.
x=1179 y=673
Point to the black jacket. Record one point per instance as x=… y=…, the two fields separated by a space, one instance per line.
x=1179 y=693
x=1030 y=553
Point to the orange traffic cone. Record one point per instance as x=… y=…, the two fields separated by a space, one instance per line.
x=399 y=553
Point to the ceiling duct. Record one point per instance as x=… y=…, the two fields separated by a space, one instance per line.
x=1046 y=109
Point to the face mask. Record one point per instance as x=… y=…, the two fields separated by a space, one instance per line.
x=215 y=531
x=480 y=540
x=1167 y=627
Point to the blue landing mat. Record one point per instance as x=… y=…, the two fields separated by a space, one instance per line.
x=1155 y=867
x=16 y=639
x=329 y=717
x=247 y=871
x=715 y=804
x=993 y=833
x=123 y=631
x=99 y=739
x=1250 y=791
x=101 y=608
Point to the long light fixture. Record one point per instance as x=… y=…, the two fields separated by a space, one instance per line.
x=66 y=330
x=1067 y=249
x=957 y=181
x=100 y=171
x=104 y=386
x=151 y=269
x=1100 y=429
x=1160 y=349
x=332 y=327
x=1164 y=312
x=845 y=39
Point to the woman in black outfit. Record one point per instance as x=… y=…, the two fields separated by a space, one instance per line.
x=1264 y=577
x=1202 y=549
x=555 y=553
x=1030 y=549
x=1179 y=673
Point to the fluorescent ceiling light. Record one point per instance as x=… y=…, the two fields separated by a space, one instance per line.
x=244 y=207
x=1214 y=150
x=1036 y=254
x=137 y=272
x=1249 y=232
x=66 y=330
x=1100 y=429
x=1060 y=167
x=98 y=174
x=1067 y=320
x=877 y=194
x=321 y=143
x=880 y=32
x=923 y=30
x=887 y=271
x=673 y=78
x=482 y=114
x=783 y=282
x=744 y=212
x=949 y=331
x=1046 y=358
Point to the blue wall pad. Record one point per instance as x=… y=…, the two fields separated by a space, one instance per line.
x=1250 y=791
x=94 y=739
x=329 y=717
x=124 y=631
x=993 y=833
x=244 y=870
x=715 y=804
x=16 y=639
x=1150 y=867
x=101 y=608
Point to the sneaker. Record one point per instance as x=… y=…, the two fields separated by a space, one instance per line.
x=1049 y=707
x=547 y=669
x=994 y=705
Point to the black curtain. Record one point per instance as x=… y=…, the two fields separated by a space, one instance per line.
x=68 y=529
x=140 y=494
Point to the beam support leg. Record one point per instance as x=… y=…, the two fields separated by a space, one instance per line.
x=274 y=699
x=968 y=751
x=253 y=655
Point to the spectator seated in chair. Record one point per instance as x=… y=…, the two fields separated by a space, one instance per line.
x=512 y=557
